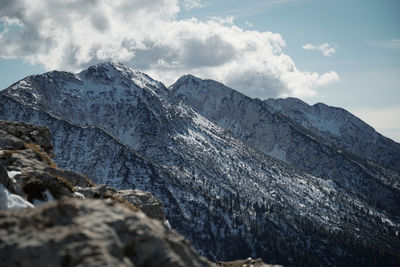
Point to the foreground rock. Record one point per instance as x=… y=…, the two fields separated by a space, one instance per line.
x=145 y=201
x=75 y=232
x=246 y=263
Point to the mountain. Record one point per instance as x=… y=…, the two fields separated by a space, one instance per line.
x=325 y=141
x=341 y=128
x=225 y=194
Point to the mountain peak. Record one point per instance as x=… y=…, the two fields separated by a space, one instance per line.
x=277 y=103
x=115 y=66
x=113 y=72
x=199 y=88
x=186 y=80
x=110 y=71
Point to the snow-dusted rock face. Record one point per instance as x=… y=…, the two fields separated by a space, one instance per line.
x=121 y=128
x=341 y=128
x=109 y=95
x=266 y=126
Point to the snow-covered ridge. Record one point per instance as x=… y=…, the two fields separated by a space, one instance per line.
x=342 y=128
x=306 y=144
x=228 y=197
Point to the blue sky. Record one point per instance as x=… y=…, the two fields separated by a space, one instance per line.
x=364 y=35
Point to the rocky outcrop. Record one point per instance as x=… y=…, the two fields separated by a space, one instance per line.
x=150 y=205
x=246 y=263
x=26 y=155
x=145 y=201
x=15 y=135
x=90 y=233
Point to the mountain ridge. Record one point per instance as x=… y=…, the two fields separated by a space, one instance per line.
x=250 y=119
x=227 y=197
x=317 y=117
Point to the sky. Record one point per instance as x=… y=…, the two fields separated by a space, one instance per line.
x=342 y=53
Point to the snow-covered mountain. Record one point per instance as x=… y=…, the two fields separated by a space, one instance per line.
x=342 y=129
x=308 y=137
x=219 y=189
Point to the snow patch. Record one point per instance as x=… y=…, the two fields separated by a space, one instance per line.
x=79 y=195
x=11 y=201
x=12 y=174
x=167 y=224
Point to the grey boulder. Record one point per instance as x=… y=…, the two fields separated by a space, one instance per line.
x=75 y=232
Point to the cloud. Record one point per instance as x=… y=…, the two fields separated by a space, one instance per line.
x=191 y=4
x=325 y=48
x=389 y=44
x=248 y=24
x=146 y=35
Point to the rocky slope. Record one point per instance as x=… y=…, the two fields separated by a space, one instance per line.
x=342 y=129
x=108 y=231
x=231 y=200
x=324 y=141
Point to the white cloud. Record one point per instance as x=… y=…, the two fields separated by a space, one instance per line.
x=72 y=35
x=248 y=24
x=325 y=48
x=191 y=4
x=390 y=44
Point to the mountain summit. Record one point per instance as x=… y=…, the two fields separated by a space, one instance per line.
x=238 y=176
